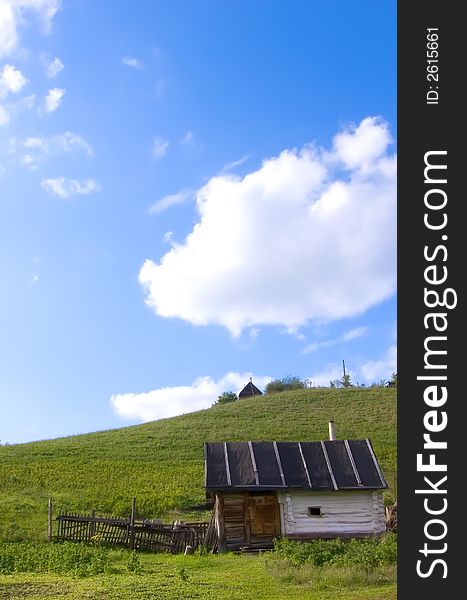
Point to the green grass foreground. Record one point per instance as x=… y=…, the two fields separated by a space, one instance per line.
x=123 y=574
x=161 y=463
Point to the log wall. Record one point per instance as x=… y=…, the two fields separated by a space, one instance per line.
x=350 y=513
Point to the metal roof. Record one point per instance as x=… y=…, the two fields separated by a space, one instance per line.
x=315 y=466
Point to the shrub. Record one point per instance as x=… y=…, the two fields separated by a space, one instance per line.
x=134 y=564
x=317 y=552
x=367 y=553
x=291 y=382
x=226 y=397
x=67 y=558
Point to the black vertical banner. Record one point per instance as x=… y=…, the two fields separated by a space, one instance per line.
x=432 y=368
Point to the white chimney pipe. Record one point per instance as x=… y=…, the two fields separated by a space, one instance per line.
x=332 y=430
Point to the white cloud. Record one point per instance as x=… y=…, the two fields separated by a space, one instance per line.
x=54 y=68
x=314 y=346
x=29 y=161
x=33 y=150
x=361 y=372
x=54 y=99
x=132 y=62
x=172 y=401
x=65 y=187
x=170 y=200
x=377 y=370
x=331 y=373
x=353 y=334
x=44 y=9
x=168 y=237
x=59 y=144
x=27 y=102
x=13 y=15
x=4 y=116
x=188 y=138
x=304 y=237
x=254 y=332
x=12 y=110
x=190 y=144
x=159 y=147
x=345 y=337
x=11 y=80
x=234 y=163
x=8 y=33
x=358 y=147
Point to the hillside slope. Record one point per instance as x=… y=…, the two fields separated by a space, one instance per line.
x=162 y=463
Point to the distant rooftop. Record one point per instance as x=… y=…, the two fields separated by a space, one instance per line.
x=250 y=390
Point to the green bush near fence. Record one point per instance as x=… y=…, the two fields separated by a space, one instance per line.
x=63 y=559
x=366 y=553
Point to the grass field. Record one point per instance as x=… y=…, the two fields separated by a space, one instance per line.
x=161 y=463
x=219 y=577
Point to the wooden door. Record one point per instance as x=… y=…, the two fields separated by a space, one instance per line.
x=263 y=517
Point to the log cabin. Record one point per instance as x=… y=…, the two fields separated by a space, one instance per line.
x=263 y=490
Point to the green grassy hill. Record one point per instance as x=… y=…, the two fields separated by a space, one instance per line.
x=162 y=463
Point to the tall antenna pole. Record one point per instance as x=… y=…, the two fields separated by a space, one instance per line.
x=343 y=367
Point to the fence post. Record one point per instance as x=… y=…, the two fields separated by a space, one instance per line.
x=92 y=526
x=132 y=523
x=49 y=520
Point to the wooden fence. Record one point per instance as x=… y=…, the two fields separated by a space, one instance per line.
x=147 y=535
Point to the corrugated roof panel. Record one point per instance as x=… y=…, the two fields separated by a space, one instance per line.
x=365 y=464
x=317 y=467
x=216 y=476
x=266 y=464
x=341 y=464
x=292 y=465
x=241 y=467
x=327 y=465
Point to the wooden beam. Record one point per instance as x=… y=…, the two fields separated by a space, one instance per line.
x=132 y=523
x=49 y=520
x=219 y=523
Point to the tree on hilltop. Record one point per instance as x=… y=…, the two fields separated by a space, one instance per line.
x=226 y=397
x=290 y=382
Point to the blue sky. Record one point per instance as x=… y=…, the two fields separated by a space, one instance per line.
x=191 y=193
